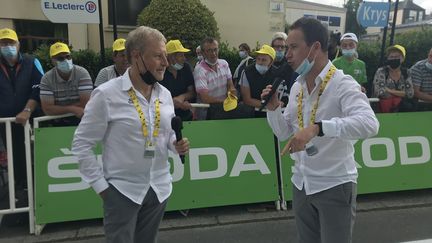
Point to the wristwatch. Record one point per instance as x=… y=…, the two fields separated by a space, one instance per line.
x=320 y=131
x=27 y=109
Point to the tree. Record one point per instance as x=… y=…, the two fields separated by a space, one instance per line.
x=187 y=20
x=351 y=18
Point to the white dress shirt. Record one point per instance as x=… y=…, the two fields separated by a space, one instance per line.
x=111 y=117
x=345 y=114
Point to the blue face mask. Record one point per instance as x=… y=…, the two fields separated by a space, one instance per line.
x=9 y=52
x=261 y=68
x=279 y=55
x=348 y=52
x=177 y=66
x=429 y=65
x=306 y=65
x=65 y=66
x=242 y=54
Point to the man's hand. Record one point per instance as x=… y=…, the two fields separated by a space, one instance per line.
x=103 y=194
x=22 y=117
x=78 y=111
x=182 y=146
x=300 y=139
x=273 y=102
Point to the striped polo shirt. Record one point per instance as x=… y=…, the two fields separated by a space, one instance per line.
x=210 y=81
x=421 y=76
x=65 y=92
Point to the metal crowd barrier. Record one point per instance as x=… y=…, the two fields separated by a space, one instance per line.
x=11 y=178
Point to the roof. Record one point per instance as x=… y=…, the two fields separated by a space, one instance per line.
x=407 y=4
x=318 y=5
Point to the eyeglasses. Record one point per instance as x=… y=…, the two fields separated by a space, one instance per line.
x=215 y=50
x=278 y=47
x=62 y=58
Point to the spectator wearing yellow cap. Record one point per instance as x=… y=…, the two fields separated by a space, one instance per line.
x=421 y=74
x=120 y=63
x=66 y=88
x=349 y=61
x=256 y=77
x=178 y=79
x=392 y=84
x=20 y=76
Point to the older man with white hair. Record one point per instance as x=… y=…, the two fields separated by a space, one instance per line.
x=132 y=117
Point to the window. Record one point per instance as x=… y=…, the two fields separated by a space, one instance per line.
x=33 y=33
x=126 y=11
x=334 y=21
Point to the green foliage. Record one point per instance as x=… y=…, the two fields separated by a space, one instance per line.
x=417 y=45
x=230 y=55
x=351 y=18
x=187 y=20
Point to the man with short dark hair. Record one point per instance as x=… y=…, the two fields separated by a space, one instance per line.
x=325 y=112
x=213 y=77
x=120 y=63
x=131 y=116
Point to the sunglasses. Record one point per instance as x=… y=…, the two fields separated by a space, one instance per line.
x=62 y=58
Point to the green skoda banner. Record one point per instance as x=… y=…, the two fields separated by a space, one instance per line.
x=230 y=162
x=397 y=159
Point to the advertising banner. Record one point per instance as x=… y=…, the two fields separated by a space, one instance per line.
x=397 y=159
x=71 y=11
x=230 y=162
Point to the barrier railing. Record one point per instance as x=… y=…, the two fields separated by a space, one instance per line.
x=11 y=178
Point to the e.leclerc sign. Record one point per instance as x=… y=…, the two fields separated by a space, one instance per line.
x=71 y=11
x=373 y=14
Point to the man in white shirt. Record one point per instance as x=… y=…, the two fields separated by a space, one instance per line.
x=325 y=112
x=131 y=116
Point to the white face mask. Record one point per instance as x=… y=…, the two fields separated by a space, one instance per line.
x=177 y=66
x=261 y=68
x=428 y=65
x=242 y=54
x=210 y=63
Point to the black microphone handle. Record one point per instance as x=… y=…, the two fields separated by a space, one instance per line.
x=266 y=99
x=180 y=137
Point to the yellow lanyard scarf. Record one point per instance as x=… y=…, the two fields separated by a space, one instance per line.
x=145 y=132
x=315 y=107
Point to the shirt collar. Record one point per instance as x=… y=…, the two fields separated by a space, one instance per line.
x=127 y=83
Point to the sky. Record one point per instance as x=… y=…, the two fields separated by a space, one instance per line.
x=426 y=4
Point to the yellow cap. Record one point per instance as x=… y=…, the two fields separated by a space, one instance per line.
x=8 y=34
x=119 y=44
x=268 y=50
x=174 y=46
x=57 y=48
x=397 y=48
x=230 y=103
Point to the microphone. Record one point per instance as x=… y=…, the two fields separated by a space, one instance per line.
x=266 y=99
x=177 y=126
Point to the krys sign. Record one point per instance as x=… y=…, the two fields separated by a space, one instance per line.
x=373 y=14
x=71 y=11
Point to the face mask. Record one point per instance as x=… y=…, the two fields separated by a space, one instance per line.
x=210 y=63
x=261 y=68
x=242 y=54
x=429 y=65
x=65 y=66
x=393 y=63
x=279 y=55
x=177 y=66
x=349 y=52
x=147 y=77
x=9 y=52
x=200 y=58
x=306 y=65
